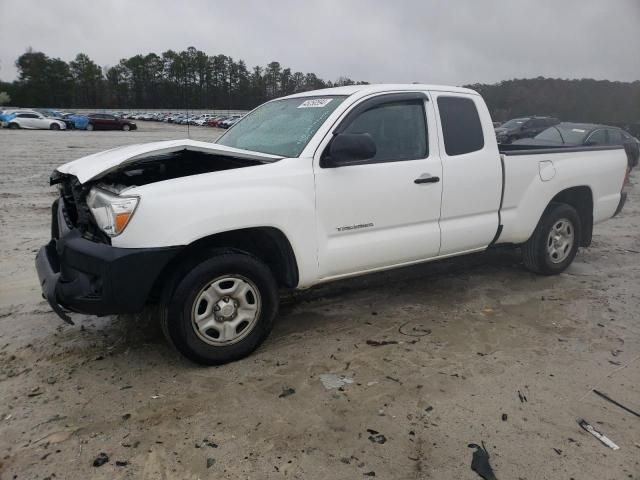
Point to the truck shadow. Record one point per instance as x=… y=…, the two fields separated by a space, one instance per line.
x=300 y=312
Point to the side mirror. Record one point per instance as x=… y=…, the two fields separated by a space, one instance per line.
x=349 y=148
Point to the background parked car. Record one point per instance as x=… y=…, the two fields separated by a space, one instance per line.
x=585 y=134
x=525 y=127
x=105 y=121
x=56 y=115
x=79 y=121
x=32 y=120
x=230 y=122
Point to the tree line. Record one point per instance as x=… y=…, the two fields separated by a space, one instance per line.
x=584 y=100
x=193 y=79
x=177 y=80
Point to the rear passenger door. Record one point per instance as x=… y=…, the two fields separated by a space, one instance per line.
x=472 y=173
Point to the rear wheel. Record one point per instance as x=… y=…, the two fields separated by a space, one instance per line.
x=222 y=309
x=14 y=126
x=554 y=243
x=90 y=127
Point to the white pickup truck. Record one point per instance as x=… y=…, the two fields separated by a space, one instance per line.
x=307 y=189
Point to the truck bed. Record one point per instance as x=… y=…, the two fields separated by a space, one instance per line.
x=533 y=176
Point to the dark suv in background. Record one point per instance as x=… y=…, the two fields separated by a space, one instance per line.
x=524 y=127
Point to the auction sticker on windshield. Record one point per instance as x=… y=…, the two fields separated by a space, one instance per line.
x=315 y=103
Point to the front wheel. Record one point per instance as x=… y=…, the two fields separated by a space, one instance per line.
x=554 y=243
x=54 y=126
x=222 y=309
x=126 y=128
x=14 y=126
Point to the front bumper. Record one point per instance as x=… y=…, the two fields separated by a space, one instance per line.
x=83 y=276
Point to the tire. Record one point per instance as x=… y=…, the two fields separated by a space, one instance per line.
x=14 y=126
x=54 y=126
x=202 y=290
x=90 y=127
x=549 y=255
x=126 y=128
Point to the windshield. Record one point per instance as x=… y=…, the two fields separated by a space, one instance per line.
x=282 y=127
x=516 y=122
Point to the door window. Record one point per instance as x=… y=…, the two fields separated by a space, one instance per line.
x=615 y=137
x=599 y=137
x=398 y=129
x=461 y=127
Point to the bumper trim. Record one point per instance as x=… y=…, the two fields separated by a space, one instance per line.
x=49 y=281
x=623 y=200
x=82 y=276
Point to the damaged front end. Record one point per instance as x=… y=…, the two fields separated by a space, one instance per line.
x=79 y=269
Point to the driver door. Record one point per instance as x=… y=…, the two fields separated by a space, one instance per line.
x=383 y=211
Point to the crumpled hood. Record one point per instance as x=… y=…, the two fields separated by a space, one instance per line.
x=101 y=163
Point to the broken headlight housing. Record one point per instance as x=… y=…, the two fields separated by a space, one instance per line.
x=112 y=213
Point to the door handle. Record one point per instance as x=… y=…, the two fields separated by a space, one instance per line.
x=426 y=178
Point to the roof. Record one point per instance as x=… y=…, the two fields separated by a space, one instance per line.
x=381 y=87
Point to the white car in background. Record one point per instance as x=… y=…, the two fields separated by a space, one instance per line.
x=32 y=120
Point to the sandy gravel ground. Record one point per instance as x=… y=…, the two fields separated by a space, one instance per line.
x=466 y=343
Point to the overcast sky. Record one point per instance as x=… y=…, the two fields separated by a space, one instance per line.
x=431 y=41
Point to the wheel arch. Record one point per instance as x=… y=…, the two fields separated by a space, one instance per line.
x=268 y=244
x=580 y=198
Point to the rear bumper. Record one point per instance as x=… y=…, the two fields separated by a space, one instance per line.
x=623 y=200
x=83 y=276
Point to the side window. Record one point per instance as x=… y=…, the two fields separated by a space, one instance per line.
x=615 y=137
x=27 y=115
x=461 y=126
x=599 y=137
x=398 y=129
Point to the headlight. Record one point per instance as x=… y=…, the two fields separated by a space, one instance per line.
x=111 y=212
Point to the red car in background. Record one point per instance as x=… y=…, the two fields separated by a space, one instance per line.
x=105 y=121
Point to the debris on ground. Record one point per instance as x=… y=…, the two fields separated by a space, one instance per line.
x=369 y=474
x=101 y=459
x=331 y=380
x=380 y=343
x=558 y=451
x=414 y=330
x=522 y=397
x=480 y=462
x=376 y=437
x=121 y=463
x=211 y=462
x=609 y=399
x=286 y=391
x=587 y=427
x=35 y=392
x=504 y=417
x=207 y=442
